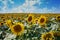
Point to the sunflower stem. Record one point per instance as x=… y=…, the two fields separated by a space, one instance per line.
x=17 y=37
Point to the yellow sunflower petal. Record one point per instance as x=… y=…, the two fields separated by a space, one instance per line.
x=42 y=20
x=17 y=29
x=9 y=23
x=1 y=23
x=36 y=21
x=56 y=34
x=58 y=18
x=47 y=36
x=30 y=18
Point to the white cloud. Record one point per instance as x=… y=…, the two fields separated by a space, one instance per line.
x=23 y=8
x=28 y=7
x=5 y=5
x=31 y=2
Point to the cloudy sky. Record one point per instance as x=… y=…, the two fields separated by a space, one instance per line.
x=29 y=6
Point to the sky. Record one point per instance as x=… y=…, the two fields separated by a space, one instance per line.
x=29 y=6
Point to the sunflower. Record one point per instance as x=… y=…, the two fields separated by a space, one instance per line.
x=18 y=18
x=36 y=21
x=2 y=17
x=58 y=18
x=17 y=29
x=1 y=23
x=56 y=34
x=9 y=23
x=42 y=20
x=47 y=36
x=30 y=18
x=4 y=20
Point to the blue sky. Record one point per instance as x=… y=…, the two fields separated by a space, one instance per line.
x=29 y=6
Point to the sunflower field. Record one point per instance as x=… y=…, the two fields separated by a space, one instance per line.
x=29 y=26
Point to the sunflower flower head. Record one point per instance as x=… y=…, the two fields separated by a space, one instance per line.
x=58 y=18
x=9 y=23
x=30 y=18
x=17 y=29
x=19 y=18
x=2 y=17
x=36 y=21
x=42 y=20
x=47 y=36
x=56 y=34
x=1 y=23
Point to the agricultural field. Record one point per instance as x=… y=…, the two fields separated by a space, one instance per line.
x=21 y=26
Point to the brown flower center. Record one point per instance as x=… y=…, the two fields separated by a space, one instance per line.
x=42 y=20
x=48 y=35
x=30 y=18
x=2 y=17
x=19 y=18
x=58 y=18
x=57 y=34
x=36 y=20
x=1 y=23
x=17 y=28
